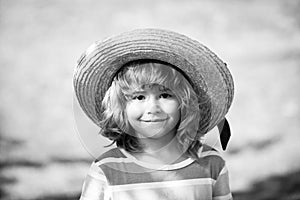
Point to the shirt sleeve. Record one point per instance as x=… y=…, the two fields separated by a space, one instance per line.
x=221 y=189
x=95 y=186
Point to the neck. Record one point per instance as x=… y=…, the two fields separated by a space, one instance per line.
x=163 y=150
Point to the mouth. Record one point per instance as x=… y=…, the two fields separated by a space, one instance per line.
x=153 y=120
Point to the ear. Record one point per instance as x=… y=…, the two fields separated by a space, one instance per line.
x=225 y=133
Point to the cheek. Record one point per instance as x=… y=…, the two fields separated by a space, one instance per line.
x=173 y=110
x=131 y=117
x=172 y=107
x=176 y=115
x=133 y=111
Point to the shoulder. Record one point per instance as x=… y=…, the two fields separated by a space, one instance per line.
x=112 y=161
x=212 y=160
x=112 y=153
x=104 y=164
x=208 y=151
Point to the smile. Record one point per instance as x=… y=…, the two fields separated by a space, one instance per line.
x=153 y=120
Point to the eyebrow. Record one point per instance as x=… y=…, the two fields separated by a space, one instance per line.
x=143 y=91
x=138 y=92
x=164 y=89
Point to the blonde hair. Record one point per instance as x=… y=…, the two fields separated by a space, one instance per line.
x=135 y=75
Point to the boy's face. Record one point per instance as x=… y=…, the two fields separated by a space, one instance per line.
x=153 y=112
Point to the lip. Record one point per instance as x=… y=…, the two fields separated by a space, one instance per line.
x=153 y=120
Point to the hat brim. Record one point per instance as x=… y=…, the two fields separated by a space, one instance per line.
x=207 y=73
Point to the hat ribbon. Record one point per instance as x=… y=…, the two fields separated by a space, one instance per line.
x=225 y=133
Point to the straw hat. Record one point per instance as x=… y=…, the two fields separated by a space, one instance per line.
x=208 y=74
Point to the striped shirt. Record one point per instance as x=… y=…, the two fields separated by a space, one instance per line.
x=117 y=175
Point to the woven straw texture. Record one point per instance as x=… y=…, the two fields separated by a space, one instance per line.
x=207 y=73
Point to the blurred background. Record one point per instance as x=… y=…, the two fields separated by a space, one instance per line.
x=44 y=154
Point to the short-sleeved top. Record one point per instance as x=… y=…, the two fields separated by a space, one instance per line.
x=117 y=175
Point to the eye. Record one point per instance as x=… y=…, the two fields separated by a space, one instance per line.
x=165 y=95
x=138 y=97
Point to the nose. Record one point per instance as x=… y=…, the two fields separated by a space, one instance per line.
x=153 y=106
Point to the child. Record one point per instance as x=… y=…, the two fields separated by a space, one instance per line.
x=155 y=93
